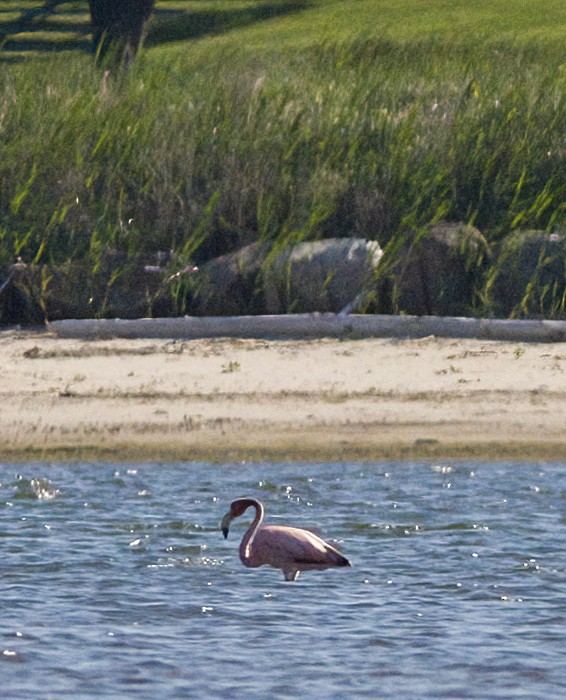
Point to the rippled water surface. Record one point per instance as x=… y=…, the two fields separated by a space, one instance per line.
x=116 y=582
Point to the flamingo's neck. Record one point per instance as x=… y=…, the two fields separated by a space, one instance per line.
x=246 y=554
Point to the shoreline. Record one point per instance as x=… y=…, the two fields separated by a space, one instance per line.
x=281 y=451
x=233 y=399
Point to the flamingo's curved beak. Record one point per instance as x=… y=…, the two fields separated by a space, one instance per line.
x=225 y=525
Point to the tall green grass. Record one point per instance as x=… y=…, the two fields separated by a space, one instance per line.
x=298 y=126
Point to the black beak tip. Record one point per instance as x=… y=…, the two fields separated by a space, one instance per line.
x=225 y=532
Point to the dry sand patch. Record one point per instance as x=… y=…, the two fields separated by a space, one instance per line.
x=248 y=399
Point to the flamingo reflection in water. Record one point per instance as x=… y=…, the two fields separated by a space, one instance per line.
x=290 y=549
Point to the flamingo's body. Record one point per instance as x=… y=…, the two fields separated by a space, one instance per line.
x=290 y=549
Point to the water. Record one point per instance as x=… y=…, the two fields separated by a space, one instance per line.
x=116 y=582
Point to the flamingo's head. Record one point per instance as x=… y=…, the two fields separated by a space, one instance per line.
x=237 y=508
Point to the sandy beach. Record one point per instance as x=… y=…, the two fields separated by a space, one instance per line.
x=233 y=399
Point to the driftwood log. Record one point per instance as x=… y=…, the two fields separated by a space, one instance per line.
x=303 y=326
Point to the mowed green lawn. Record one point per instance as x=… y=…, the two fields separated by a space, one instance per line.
x=493 y=22
x=297 y=23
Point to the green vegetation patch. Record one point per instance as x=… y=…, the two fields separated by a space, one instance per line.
x=279 y=121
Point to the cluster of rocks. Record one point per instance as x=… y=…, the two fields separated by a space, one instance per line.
x=447 y=270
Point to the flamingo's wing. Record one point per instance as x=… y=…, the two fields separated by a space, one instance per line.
x=289 y=546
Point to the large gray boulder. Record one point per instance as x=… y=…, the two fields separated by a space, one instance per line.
x=528 y=276
x=322 y=276
x=17 y=305
x=229 y=285
x=70 y=290
x=435 y=273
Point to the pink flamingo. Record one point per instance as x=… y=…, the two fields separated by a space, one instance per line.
x=290 y=549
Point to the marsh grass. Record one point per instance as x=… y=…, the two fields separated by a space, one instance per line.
x=209 y=144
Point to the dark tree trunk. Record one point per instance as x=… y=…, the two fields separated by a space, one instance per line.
x=117 y=27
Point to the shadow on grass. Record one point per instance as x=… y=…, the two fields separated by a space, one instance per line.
x=47 y=27
x=181 y=25
x=60 y=25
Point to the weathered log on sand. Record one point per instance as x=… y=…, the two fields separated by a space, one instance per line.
x=304 y=326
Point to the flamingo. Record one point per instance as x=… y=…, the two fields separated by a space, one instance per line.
x=290 y=549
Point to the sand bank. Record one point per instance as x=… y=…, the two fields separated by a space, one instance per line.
x=237 y=399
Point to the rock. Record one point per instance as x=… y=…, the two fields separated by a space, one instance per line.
x=17 y=305
x=137 y=293
x=528 y=277
x=436 y=273
x=322 y=276
x=69 y=290
x=229 y=284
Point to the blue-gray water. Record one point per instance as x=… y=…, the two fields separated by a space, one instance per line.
x=116 y=582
